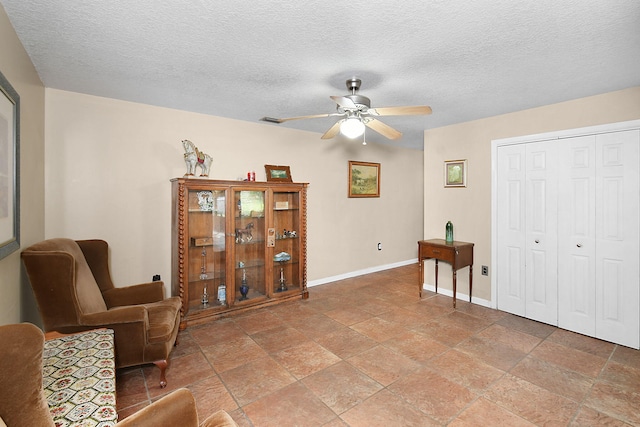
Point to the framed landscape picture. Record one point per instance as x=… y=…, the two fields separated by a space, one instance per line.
x=364 y=179
x=278 y=173
x=455 y=173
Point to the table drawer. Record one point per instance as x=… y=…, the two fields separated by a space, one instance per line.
x=442 y=253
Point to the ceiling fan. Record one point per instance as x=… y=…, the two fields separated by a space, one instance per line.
x=356 y=113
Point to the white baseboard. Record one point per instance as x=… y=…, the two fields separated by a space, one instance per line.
x=426 y=286
x=360 y=272
x=459 y=296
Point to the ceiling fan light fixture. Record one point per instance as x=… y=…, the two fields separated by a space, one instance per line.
x=352 y=127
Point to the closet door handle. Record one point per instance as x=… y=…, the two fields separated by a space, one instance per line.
x=579 y=245
x=537 y=241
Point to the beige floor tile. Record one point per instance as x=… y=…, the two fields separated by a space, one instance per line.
x=378 y=329
x=588 y=417
x=465 y=370
x=305 y=358
x=255 y=380
x=528 y=326
x=559 y=380
x=319 y=325
x=277 y=339
x=211 y=395
x=531 y=402
x=492 y=353
x=215 y=332
x=346 y=343
x=515 y=339
x=485 y=413
x=465 y=321
x=259 y=320
x=341 y=386
x=445 y=333
x=383 y=365
x=385 y=409
x=131 y=388
x=570 y=358
x=293 y=405
x=225 y=354
x=622 y=376
x=433 y=394
x=348 y=316
x=582 y=342
x=626 y=356
x=416 y=346
x=615 y=401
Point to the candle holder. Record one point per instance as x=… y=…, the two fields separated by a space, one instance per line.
x=244 y=288
x=282 y=287
x=205 y=296
x=204 y=276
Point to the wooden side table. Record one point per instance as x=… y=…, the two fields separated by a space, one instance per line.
x=458 y=254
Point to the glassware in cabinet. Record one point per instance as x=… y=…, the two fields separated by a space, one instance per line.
x=207 y=248
x=287 y=274
x=249 y=245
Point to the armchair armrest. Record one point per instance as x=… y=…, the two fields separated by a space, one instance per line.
x=143 y=293
x=116 y=315
x=175 y=409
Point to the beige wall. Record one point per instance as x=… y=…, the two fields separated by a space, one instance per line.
x=16 y=300
x=109 y=164
x=470 y=208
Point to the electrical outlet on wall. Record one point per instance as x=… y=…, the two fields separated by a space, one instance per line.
x=485 y=270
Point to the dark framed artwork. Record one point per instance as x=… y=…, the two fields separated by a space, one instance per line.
x=278 y=173
x=9 y=168
x=364 y=179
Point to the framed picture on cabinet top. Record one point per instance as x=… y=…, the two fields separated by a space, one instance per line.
x=278 y=173
x=9 y=168
x=455 y=173
x=364 y=179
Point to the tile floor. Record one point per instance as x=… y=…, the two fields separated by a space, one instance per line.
x=368 y=352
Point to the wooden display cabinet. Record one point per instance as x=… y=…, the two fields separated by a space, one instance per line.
x=236 y=245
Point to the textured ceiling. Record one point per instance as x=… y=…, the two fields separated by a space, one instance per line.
x=466 y=59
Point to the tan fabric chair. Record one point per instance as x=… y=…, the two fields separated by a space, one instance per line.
x=23 y=404
x=74 y=291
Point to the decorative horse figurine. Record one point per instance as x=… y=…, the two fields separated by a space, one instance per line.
x=194 y=157
x=244 y=235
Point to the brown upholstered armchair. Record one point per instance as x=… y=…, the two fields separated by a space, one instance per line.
x=74 y=291
x=23 y=402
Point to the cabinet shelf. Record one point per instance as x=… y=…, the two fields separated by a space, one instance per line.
x=217 y=240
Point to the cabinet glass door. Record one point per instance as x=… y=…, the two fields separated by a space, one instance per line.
x=207 y=252
x=287 y=271
x=249 y=224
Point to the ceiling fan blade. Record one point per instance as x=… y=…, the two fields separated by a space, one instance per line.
x=344 y=102
x=415 y=110
x=313 y=116
x=333 y=130
x=383 y=129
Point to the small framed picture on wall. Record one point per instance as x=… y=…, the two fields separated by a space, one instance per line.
x=455 y=173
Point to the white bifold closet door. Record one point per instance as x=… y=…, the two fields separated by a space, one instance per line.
x=568 y=233
x=527 y=230
x=599 y=234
